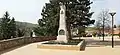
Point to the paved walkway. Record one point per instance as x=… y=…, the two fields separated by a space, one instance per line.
x=32 y=49
x=96 y=41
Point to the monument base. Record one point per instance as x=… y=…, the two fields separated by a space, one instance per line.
x=62 y=38
x=78 y=45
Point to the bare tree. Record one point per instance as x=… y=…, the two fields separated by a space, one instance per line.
x=119 y=30
x=103 y=21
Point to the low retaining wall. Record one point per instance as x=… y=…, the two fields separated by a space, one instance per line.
x=80 y=47
x=60 y=47
x=6 y=44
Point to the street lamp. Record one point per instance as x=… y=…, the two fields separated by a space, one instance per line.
x=112 y=14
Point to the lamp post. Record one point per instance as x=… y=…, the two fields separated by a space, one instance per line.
x=112 y=14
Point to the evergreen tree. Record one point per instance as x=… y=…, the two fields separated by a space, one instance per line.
x=7 y=27
x=77 y=13
x=12 y=26
x=20 y=32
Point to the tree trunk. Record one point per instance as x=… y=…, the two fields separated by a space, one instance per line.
x=69 y=32
x=80 y=31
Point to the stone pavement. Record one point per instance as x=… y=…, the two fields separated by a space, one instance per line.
x=32 y=49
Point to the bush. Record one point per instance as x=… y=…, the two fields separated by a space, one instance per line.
x=94 y=34
x=116 y=34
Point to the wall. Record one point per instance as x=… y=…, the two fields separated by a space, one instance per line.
x=6 y=44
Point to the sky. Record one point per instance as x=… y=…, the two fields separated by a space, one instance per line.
x=111 y=5
x=30 y=10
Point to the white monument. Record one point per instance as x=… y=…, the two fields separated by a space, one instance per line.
x=33 y=34
x=62 y=31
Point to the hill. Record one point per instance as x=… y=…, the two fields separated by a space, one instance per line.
x=25 y=27
x=25 y=24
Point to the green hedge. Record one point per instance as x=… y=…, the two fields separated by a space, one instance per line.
x=116 y=34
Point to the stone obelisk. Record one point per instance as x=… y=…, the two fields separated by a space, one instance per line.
x=62 y=32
